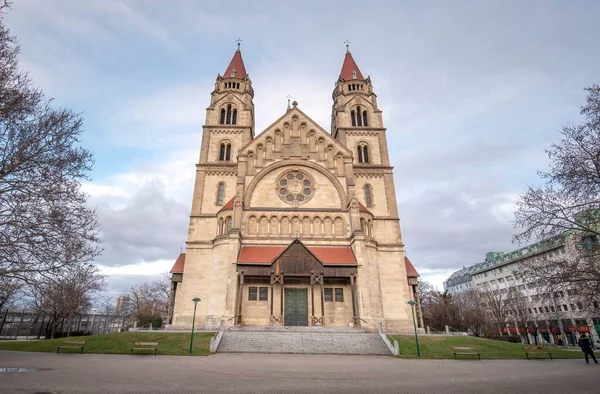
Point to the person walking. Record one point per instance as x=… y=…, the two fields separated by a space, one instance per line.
x=586 y=348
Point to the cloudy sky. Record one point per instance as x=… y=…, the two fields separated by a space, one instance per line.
x=471 y=91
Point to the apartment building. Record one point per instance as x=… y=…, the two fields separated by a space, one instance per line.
x=500 y=273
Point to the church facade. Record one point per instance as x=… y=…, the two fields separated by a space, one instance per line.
x=294 y=225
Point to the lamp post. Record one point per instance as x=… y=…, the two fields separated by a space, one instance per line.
x=196 y=299
x=412 y=307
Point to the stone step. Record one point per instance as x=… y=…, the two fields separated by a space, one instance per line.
x=302 y=343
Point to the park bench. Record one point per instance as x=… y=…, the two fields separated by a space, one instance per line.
x=465 y=350
x=537 y=350
x=144 y=346
x=71 y=344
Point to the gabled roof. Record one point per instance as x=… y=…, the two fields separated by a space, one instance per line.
x=179 y=264
x=228 y=206
x=237 y=64
x=266 y=254
x=349 y=67
x=362 y=208
x=289 y=113
x=411 y=272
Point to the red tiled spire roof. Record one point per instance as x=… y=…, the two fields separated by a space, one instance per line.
x=236 y=64
x=348 y=67
x=411 y=272
x=179 y=264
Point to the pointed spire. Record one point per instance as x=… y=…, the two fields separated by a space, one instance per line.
x=349 y=69
x=236 y=68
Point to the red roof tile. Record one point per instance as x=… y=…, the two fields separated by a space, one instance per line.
x=236 y=64
x=179 y=264
x=334 y=254
x=227 y=206
x=348 y=67
x=362 y=208
x=259 y=254
x=411 y=272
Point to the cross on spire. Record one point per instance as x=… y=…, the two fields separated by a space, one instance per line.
x=239 y=42
x=289 y=97
x=347 y=46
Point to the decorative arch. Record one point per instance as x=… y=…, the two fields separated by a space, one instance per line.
x=295 y=163
x=228 y=114
x=225 y=150
x=363 y=151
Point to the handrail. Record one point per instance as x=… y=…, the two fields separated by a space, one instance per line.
x=392 y=348
x=216 y=339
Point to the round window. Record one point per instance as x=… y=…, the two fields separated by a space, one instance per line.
x=295 y=187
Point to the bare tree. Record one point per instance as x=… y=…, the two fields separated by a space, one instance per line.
x=519 y=311
x=62 y=297
x=568 y=204
x=9 y=289
x=495 y=303
x=42 y=208
x=148 y=302
x=473 y=312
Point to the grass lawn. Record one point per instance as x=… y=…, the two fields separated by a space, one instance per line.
x=434 y=347
x=120 y=343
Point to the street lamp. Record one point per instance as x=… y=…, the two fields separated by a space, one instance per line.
x=193 y=322
x=412 y=307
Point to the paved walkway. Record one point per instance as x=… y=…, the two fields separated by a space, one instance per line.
x=226 y=373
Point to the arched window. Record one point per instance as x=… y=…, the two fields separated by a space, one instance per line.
x=225 y=151
x=228 y=119
x=363 y=152
x=358 y=118
x=233 y=72
x=229 y=224
x=222 y=121
x=353 y=114
x=365 y=119
x=234 y=118
x=220 y=193
x=368 y=196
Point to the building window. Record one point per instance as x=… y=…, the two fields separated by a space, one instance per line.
x=263 y=294
x=220 y=193
x=339 y=294
x=365 y=118
x=358 y=118
x=225 y=151
x=222 y=120
x=229 y=224
x=368 y=196
x=233 y=72
x=353 y=115
x=234 y=117
x=354 y=74
x=252 y=293
x=362 y=224
x=328 y=294
x=228 y=118
x=565 y=307
x=363 y=152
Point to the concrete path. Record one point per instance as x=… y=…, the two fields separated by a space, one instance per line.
x=251 y=373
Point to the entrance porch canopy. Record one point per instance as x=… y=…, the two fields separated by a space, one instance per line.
x=297 y=259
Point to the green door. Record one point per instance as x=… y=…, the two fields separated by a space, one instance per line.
x=296 y=307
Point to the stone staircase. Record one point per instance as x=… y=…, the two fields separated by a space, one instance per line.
x=302 y=340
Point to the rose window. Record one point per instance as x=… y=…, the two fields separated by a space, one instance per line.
x=295 y=187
